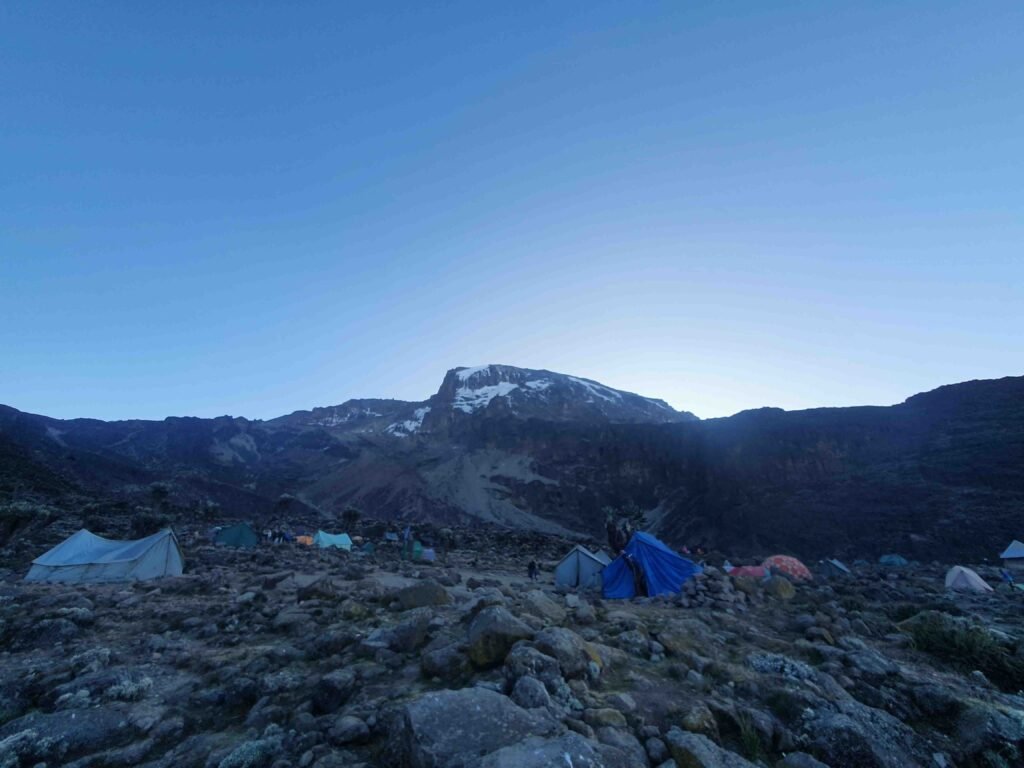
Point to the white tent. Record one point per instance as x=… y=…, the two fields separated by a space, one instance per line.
x=339 y=540
x=965 y=580
x=580 y=568
x=85 y=557
x=1013 y=557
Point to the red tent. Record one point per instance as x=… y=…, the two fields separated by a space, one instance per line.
x=789 y=567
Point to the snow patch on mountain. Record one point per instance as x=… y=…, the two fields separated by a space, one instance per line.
x=409 y=426
x=336 y=419
x=539 y=385
x=597 y=390
x=467 y=373
x=468 y=399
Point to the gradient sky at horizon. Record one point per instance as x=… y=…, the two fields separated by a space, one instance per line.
x=252 y=209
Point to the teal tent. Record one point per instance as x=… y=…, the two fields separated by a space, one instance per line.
x=241 y=535
x=893 y=561
x=339 y=540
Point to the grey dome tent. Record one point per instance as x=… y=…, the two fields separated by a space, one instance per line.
x=580 y=568
x=240 y=535
x=85 y=558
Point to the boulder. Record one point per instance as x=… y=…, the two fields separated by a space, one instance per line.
x=454 y=729
x=349 y=730
x=692 y=750
x=318 y=589
x=539 y=604
x=982 y=727
x=597 y=718
x=799 y=760
x=524 y=659
x=624 y=742
x=258 y=753
x=492 y=634
x=780 y=588
x=700 y=719
x=530 y=693
x=447 y=663
x=423 y=594
x=570 y=749
x=333 y=690
x=568 y=648
x=70 y=732
x=863 y=736
x=411 y=633
x=686 y=635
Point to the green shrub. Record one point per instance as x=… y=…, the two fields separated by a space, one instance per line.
x=966 y=646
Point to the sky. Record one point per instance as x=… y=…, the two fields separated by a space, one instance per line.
x=249 y=209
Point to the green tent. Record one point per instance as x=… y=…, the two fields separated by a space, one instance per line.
x=339 y=540
x=240 y=535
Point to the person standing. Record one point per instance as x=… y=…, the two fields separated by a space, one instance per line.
x=533 y=570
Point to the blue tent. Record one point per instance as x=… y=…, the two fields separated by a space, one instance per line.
x=662 y=569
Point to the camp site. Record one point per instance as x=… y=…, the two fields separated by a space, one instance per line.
x=448 y=608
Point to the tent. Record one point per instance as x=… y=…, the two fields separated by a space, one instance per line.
x=428 y=554
x=391 y=536
x=660 y=570
x=84 y=557
x=789 y=567
x=1013 y=557
x=894 y=561
x=837 y=568
x=368 y=548
x=324 y=540
x=965 y=580
x=580 y=568
x=304 y=539
x=240 y=535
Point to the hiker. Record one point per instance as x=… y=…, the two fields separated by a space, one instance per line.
x=533 y=570
x=639 y=580
x=1007 y=578
x=613 y=535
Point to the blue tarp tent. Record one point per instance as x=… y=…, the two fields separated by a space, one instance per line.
x=662 y=570
x=324 y=540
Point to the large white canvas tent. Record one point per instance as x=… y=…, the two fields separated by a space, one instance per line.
x=339 y=540
x=965 y=580
x=86 y=558
x=580 y=568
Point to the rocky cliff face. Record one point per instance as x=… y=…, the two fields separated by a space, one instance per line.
x=545 y=451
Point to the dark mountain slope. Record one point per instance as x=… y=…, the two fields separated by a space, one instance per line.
x=937 y=476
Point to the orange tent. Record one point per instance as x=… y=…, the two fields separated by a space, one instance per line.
x=307 y=540
x=789 y=567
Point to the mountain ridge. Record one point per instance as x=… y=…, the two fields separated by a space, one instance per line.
x=529 y=448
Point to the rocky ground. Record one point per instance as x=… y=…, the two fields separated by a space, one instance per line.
x=286 y=656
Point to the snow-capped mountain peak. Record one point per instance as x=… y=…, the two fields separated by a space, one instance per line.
x=529 y=393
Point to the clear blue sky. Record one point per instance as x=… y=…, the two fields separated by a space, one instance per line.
x=251 y=208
